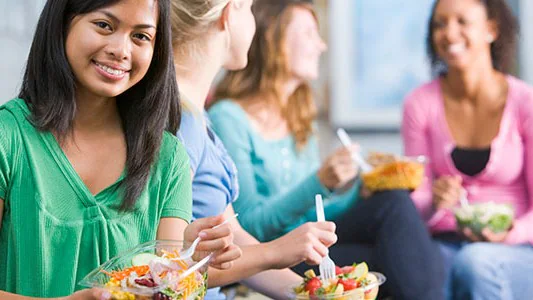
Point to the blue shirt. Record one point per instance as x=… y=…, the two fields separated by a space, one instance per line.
x=215 y=183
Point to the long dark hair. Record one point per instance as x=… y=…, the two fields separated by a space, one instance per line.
x=502 y=50
x=146 y=109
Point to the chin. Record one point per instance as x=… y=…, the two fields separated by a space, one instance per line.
x=237 y=63
x=108 y=92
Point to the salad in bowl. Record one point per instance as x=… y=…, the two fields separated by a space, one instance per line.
x=153 y=270
x=496 y=217
x=353 y=282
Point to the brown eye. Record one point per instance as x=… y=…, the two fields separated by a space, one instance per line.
x=103 y=25
x=142 y=37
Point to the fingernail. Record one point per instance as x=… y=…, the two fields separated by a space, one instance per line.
x=106 y=295
x=202 y=235
x=225 y=265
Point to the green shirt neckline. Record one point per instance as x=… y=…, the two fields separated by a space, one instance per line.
x=89 y=199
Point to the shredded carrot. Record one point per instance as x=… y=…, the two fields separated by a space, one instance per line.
x=119 y=275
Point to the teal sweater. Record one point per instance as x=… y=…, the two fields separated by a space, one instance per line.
x=277 y=183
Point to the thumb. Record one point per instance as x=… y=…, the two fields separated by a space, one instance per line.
x=93 y=294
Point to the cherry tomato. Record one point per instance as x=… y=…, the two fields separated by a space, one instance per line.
x=348 y=269
x=312 y=285
x=338 y=270
x=348 y=284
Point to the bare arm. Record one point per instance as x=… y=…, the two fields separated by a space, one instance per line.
x=264 y=267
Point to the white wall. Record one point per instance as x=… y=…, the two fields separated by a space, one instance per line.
x=17 y=22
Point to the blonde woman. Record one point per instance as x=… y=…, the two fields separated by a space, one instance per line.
x=265 y=114
x=208 y=36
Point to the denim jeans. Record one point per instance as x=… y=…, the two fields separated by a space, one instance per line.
x=488 y=270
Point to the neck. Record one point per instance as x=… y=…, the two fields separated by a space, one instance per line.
x=472 y=81
x=95 y=113
x=288 y=89
x=195 y=75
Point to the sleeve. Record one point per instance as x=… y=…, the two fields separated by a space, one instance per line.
x=416 y=142
x=265 y=217
x=6 y=157
x=178 y=186
x=521 y=231
x=191 y=136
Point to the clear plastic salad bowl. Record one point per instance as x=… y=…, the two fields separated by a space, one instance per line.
x=394 y=172
x=150 y=271
x=350 y=283
x=496 y=217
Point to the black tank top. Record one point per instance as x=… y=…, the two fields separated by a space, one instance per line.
x=470 y=161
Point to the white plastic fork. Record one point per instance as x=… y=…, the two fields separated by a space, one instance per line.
x=464 y=198
x=356 y=156
x=327 y=266
x=190 y=251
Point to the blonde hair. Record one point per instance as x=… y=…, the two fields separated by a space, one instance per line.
x=268 y=69
x=191 y=21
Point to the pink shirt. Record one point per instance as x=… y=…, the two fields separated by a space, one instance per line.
x=508 y=176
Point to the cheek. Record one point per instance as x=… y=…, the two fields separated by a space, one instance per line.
x=79 y=50
x=142 y=58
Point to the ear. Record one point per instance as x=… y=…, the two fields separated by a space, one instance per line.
x=493 y=31
x=224 y=19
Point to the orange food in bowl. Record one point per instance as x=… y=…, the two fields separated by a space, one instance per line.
x=400 y=174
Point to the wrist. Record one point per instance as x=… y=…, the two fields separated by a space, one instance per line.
x=270 y=255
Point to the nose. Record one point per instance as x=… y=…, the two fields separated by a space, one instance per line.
x=322 y=46
x=119 y=47
x=452 y=31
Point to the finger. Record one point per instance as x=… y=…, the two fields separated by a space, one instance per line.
x=326 y=226
x=207 y=223
x=229 y=255
x=490 y=236
x=470 y=235
x=327 y=238
x=320 y=248
x=94 y=293
x=214 y=245
x=354 y=147
x=216 y=233
x=439 y=189
x=311 y=257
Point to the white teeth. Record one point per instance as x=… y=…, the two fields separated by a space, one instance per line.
x=110 y=70
x=456 y=48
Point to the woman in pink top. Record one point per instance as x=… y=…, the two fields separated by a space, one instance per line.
x=474 y=122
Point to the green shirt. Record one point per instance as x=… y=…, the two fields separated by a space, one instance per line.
x=54 y=231
x=277 y=183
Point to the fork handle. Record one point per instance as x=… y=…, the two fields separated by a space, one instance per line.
x=319 y=208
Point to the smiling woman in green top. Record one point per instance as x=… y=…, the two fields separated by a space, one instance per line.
x=86 y=167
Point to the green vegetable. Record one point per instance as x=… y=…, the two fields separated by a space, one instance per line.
x=143 y=259
x=496 y=217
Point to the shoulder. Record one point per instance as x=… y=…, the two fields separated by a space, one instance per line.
x=192 y=129
x=13 y=115
x=193 y=135
x=520 y=92
x=172 y=153
x=227 y=110
x=520 y=98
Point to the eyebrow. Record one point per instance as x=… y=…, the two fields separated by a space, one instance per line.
x=116 y=20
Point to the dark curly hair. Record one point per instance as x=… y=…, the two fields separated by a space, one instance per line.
x=502 y=50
